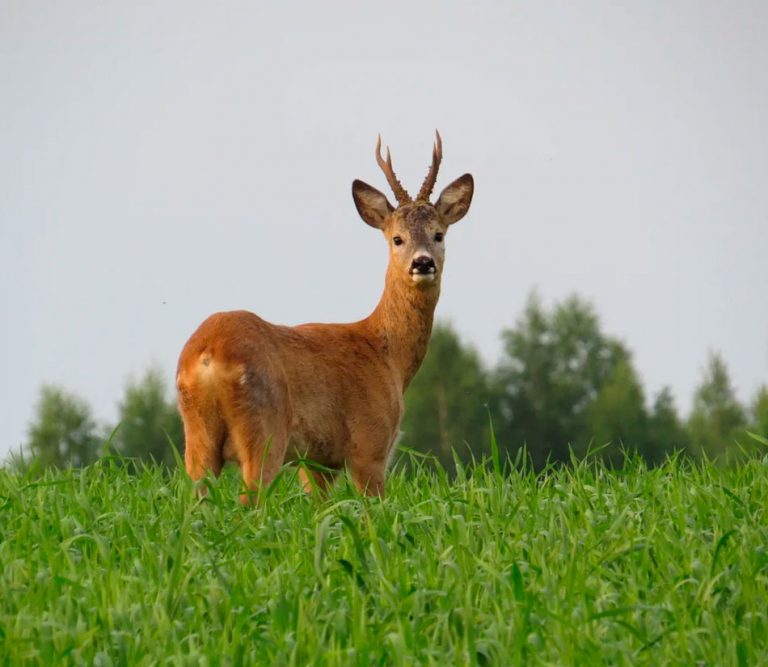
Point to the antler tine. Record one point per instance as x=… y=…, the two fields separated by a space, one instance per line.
x=401 y=194
x=429 y=181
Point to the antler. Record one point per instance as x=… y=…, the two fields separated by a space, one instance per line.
x=429 y=181
x=400 y=193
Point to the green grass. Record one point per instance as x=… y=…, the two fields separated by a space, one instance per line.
x=577 y=566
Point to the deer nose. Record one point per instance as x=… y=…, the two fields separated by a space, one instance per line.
x=423 y=264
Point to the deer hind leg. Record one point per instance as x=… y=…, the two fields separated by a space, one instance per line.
x=258 y=427
x=317 y=481
x=203 y=436
x=260 y=449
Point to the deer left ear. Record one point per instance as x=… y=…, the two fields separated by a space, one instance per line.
x=372 y=205
x=454 y=200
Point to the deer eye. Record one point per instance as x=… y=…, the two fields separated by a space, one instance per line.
x=397 y=240
x=439 y=237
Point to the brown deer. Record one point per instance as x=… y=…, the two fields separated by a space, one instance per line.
x=261 y=394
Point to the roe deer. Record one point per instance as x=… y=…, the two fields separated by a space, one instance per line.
x=261 y=394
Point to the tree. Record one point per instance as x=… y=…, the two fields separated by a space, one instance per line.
x=665 y=431
x=554 y=366
x=446 y=402
x=759 y=412
x=717 y=419
x=617 y=415
x=63 y=431
x=147 y=419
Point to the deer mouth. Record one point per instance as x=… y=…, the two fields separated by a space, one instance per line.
x=423 y=268
x=425 y=275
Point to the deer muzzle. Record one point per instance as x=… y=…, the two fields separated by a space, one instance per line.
x=423 y=268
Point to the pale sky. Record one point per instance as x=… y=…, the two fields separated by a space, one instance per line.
x=162 y=161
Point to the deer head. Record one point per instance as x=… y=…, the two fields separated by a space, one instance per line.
x=415 y=229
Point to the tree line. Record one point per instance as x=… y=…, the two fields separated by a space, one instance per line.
x=64 y=431
x=562 y=388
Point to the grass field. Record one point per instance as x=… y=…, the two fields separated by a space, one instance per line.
x=578 y=566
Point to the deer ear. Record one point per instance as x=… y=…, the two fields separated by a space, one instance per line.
x=454 y=201
x=372 y=205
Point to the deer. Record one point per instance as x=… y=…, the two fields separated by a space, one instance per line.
x=263 y=395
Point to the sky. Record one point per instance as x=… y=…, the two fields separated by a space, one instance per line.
x=163 y=161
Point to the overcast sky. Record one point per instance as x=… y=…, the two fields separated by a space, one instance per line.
x=162 y=161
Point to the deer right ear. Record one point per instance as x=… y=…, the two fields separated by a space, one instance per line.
x=454 y=201
x=372 y=205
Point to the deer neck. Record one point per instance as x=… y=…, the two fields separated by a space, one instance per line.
x=403 y=319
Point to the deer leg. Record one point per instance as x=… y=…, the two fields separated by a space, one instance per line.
x=369 y=477
x=257 y=412
x=202 y=446
x=316 y=481
x=261 y=452
x=371 y=446
x=371 y=450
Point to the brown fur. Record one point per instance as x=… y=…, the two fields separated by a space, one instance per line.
x=261 y=394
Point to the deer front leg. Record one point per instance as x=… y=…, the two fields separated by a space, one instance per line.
x=370 y=455
x=369 y=477
x=368 y=466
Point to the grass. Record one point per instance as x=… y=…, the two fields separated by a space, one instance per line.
x=577 y=566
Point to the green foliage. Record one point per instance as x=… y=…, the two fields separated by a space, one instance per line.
x=574 y=566
x=554 y=367
x=760 y=412
x=717 y=419
x=63 y=431
x=147 y=420
x=617 y=414
x=666 y=433
x=445 y=406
